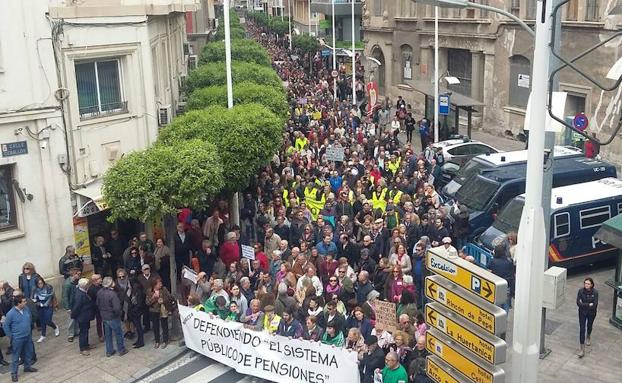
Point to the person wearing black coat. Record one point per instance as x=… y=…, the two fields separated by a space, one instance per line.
x=502 y=266
x=135 y=309
x=83 y=312
x=587 y=301
x=372 y=359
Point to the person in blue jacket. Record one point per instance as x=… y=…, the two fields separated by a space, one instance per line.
x=18 y=326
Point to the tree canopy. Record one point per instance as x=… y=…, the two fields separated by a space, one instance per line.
x=305 y=43
x=243 y=93
x=241 y=50
x=214 y=74
x=161 y=179
x=246 y=137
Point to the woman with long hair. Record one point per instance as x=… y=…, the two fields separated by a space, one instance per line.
x=43 y=296
x=395 y=284
x=27 y=280
x=587 y=301
x=159 y=301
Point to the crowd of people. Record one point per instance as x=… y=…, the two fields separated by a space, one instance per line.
x=330 y=238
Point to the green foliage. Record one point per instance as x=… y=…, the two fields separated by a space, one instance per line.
x=305 y=43
x=259 y=18
x=241 y=50
x=243 y=93
x=275 y=25
x=214 y=74
x=246 y=137
x=159 y=180
x=237 y=33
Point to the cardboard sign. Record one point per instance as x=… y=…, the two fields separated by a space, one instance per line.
x=334 y=154
x=248 y=252
x=386 y=314
x=189 y=274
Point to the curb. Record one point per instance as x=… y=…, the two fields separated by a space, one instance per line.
x=151 y=369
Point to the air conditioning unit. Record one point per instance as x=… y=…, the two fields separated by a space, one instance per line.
x=164 y=115
x=193 y=62
x=181 y=108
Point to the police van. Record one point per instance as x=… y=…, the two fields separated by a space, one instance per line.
x=494 y=161
x=484 y=194
x=577 y=212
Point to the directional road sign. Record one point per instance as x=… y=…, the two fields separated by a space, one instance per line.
x=469 y=276
x=488 y=347
x=476 y=370
x=475 y=310
x=441 y=372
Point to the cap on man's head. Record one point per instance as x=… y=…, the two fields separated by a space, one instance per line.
x=446 y=240
x=146 y=266
x=372 y=339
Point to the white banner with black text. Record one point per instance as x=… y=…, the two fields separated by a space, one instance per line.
x=266 y=356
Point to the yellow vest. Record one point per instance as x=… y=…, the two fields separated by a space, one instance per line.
x=394 y=166
x=379 y=202
x=272 y=325
x=301 y=143
x=397 y=197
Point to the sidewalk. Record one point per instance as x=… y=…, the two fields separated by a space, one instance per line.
x=60 y=361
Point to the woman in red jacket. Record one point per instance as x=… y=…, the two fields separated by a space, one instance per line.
x=230 y=251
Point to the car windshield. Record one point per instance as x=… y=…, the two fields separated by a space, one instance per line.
x=476 y=192
x=508 y=218
x=465 y=172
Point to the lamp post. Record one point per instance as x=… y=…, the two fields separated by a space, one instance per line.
x=531 y=249
x=353 y=60
x=289 y=22
x=332 y=3
x=235 y=208
x=436 y=104
x=309 y=17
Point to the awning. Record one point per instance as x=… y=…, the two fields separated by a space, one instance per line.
x=457 y=99
x=611 y=231
x=93 y=195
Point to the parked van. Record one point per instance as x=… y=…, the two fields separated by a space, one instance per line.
x=484 y=194
x=577 y=212
x=495 y=161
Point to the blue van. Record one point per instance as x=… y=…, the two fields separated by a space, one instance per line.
x=577 y=212
x=494 y=161
x=485 y=193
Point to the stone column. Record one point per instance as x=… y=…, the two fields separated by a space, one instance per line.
x=477 y=75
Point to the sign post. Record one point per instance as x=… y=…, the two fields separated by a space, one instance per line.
x=580 y=121
x=465 y=321
x=443 y=104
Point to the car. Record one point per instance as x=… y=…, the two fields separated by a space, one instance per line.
x=463 y=148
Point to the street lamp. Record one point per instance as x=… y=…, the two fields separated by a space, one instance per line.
x=530 y=253
x=353 y=61
x=332 y=3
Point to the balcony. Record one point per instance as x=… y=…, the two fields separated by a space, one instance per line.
x=111 y=8
x=103 y=110
x=342 y=7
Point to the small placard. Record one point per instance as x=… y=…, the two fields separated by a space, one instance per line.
x=248 y=252
x=14 y=148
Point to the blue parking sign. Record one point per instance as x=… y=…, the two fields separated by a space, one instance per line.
x=443 y=104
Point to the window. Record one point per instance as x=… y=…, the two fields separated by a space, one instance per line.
x=99 y=88
x=378 y=6
x=408 y=8
x=572 y=10
x=459 y=65
x=8 y=217
x=520 y=84
x=620 y=208
x=459 y=151
x=407 y=69
x=531 y=9
x=594 y=217
x=477 y=149
x=592 y=10
x=515 y=7
x=562 y=224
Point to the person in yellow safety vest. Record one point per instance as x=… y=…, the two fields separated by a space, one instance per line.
x=379 y=198
x=311 y=198
x=395 y=195
x=301 y=142
x=286 y=194
x=394 y=164
x=271 y=320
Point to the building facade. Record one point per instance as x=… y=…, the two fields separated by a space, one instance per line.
x=491 y=56
x=97 y=80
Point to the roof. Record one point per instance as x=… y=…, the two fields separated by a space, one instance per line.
x=584 y=192
x=568 y=166
x=519 y=156
x=456 y=99
x=611 y=231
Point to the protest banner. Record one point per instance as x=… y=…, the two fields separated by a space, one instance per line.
x=266 y=356
x=334 y=154
x=248 y=252
x=385 y=314
x=189 y=274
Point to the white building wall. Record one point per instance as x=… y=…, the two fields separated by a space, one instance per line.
x=28 y=81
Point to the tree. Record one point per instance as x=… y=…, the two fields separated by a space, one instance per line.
x=160 y=180
x=243 y=93
x=241 y=50
x=276 y=26
x=305 y=43
x=237 y=33
x=246 y=137
x=214 y=74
